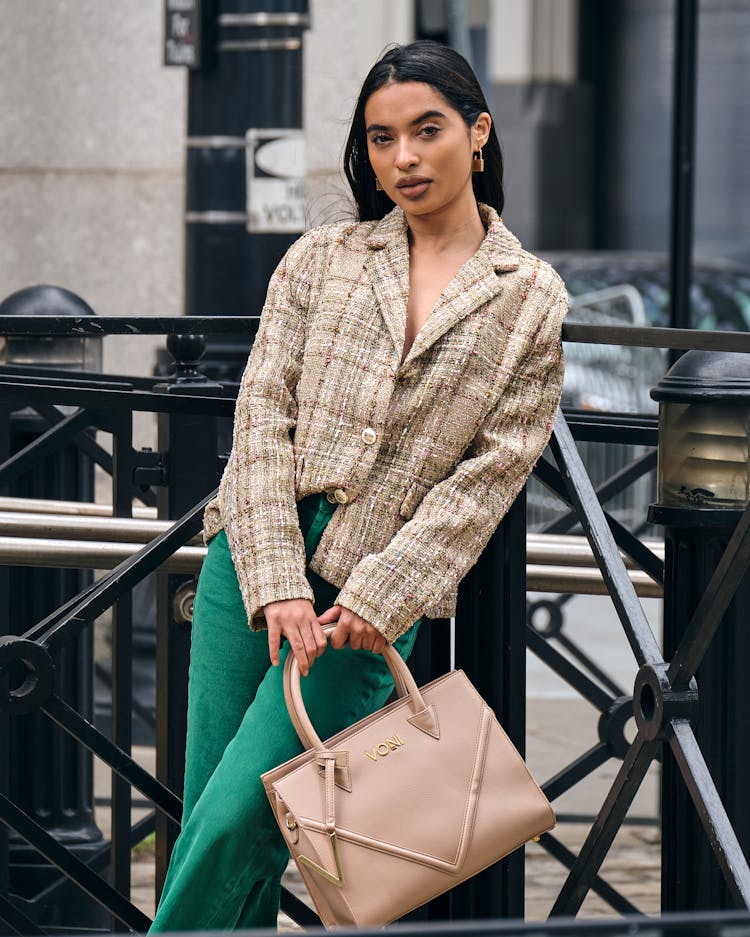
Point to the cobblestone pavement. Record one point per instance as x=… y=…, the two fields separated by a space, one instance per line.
x=558 y=730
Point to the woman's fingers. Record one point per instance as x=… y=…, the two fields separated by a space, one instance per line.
x=295 y=620
x=340 y=636
x=357 y=633
x=330 y=615
x=274 y=639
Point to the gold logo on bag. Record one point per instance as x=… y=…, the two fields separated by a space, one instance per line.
x=385 y=748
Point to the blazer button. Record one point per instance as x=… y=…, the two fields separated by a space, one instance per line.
x=341 y=496
x=330 y=498
x=369 y=435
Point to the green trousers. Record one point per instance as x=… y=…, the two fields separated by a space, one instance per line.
x=226 y=866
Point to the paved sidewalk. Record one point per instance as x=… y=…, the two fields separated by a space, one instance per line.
x=558 y=730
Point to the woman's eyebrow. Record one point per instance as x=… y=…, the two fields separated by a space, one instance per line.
x=417 y=120
x=426 y=116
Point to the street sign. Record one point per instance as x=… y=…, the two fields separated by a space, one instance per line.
x=276 y=168
x=182 y=32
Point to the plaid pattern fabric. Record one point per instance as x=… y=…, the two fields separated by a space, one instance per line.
x=425 y=456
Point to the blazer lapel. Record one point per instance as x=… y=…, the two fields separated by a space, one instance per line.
x=388 y=269
x=478 y=281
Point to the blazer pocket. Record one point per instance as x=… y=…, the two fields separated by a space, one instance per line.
x=413 y=498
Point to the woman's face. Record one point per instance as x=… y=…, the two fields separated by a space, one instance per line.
x=420 y=147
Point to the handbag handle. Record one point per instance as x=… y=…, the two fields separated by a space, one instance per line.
x=424 y=716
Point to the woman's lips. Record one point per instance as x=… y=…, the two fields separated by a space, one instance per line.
x=413 y=186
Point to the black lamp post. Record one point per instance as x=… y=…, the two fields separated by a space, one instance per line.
x=703 y=487
x=244 y=206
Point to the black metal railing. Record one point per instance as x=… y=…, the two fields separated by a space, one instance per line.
x=662 y=699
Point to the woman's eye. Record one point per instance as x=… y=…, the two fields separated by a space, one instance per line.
x=430 y=131
x=379 y=138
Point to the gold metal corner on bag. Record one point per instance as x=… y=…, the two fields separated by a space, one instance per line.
x=535 y=839
x=338 y=878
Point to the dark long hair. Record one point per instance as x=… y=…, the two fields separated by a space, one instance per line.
x=448 y=72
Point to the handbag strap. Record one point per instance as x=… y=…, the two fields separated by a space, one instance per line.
x=403 y=680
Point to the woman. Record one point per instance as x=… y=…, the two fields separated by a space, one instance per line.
x=402 y=384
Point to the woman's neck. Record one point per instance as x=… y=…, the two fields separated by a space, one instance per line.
x=447 y=231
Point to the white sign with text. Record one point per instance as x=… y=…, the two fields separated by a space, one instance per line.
x=276 y=167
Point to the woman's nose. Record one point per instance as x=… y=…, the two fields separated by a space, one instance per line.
x=405 y=155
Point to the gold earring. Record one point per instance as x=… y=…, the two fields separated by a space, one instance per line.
x=477 y=161
x=378 y=186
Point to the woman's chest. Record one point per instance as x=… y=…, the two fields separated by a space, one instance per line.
x=355 y=360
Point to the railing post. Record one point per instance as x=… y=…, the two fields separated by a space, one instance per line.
x=187 y=448
x=702 y=491
x=491 y=648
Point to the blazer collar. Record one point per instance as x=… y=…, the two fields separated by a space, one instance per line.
x=477 y=281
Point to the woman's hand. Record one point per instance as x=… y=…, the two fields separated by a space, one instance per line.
x=295 y=619
x=352 y=630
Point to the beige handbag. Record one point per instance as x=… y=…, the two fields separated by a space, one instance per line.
x=406 y=803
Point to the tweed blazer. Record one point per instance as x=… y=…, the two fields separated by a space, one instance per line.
x=423 y=457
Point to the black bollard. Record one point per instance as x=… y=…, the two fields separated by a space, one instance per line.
x=704 y=475
x=49 y=775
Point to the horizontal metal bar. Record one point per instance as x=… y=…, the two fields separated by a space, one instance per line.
x=568 y=550
x=684 y=924
x=216 y=143
x=622 y=429
x=566 y=579
x=89 y=554
x=264 y=19
x=650 y=337
x=541 y=549
x=82 y=508
x=94 y=554
x=72 y=527
x=216 y=217
x=127 y=325
x=630 y=336
x=290 y=44
x=137 y=400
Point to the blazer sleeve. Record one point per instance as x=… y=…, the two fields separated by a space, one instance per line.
x=257 y=496
x=434 y=550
